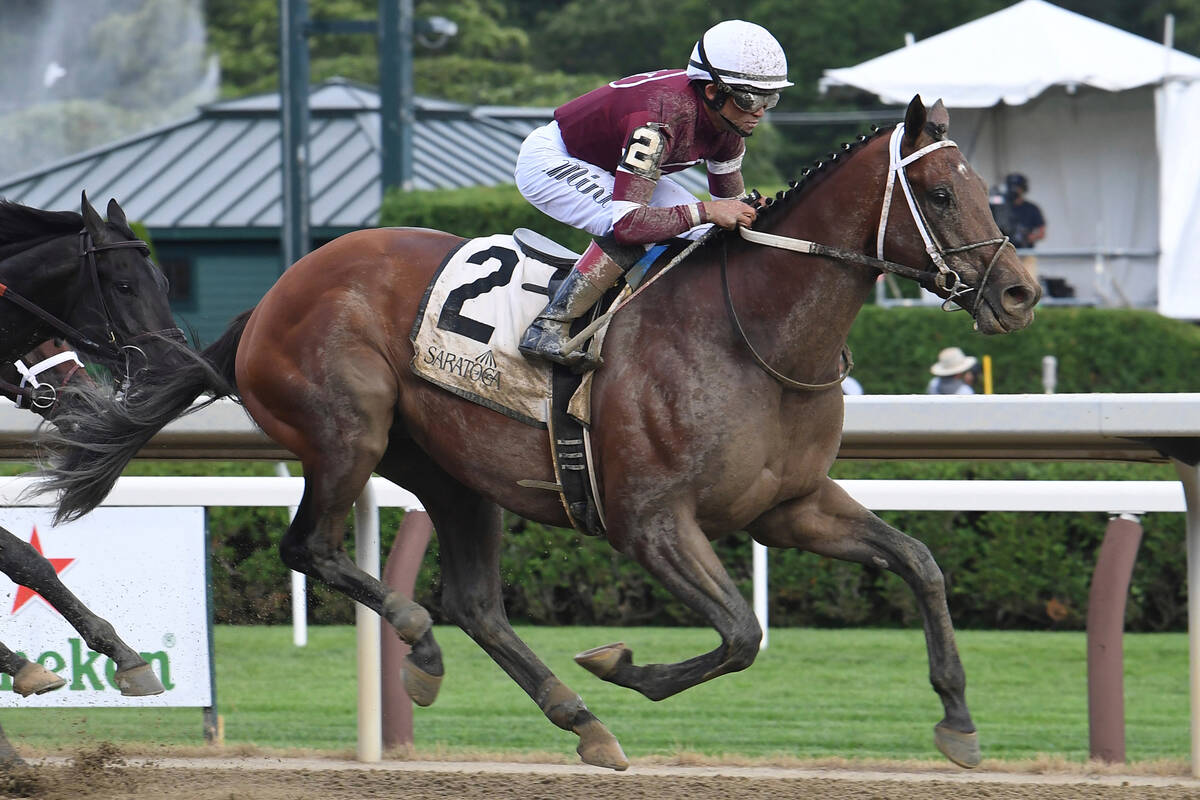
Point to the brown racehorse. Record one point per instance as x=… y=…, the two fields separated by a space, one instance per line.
x=692 y=436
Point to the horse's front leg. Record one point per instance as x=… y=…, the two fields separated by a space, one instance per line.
x=26 y=566
x=830 y=523
x=673 y=548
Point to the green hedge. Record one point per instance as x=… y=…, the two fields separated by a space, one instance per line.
x=1003 y=570
x=1098 y=350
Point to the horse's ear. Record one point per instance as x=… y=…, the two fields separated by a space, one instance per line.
x=116 y=216
x=939 y=120
x=91 y=220
x=914 y=120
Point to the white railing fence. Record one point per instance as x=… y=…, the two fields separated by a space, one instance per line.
x=1133 y=427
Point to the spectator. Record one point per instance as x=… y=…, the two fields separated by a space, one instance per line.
x=1019 y=219
x=954 y=373
x=851 y=385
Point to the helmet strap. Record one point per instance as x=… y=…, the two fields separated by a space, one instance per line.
x=717 y=104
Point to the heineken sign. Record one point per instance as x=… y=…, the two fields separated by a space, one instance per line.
x=143 y=570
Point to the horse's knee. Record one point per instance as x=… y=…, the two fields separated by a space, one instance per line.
x=742 y=648
x=926 y=570
x=294 y=554
x=479 y=619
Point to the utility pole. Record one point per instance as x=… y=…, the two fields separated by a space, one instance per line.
x=293 y=112
x=397 y=116
x=395 y=29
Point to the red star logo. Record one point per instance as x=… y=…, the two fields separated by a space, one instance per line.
x=24 y=593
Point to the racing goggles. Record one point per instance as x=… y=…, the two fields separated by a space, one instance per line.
x=750 y=101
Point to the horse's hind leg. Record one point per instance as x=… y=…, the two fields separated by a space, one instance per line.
x=313 y=545
x=336 y=414
x=26 y=566
x=469 y=535
x=674 y=549
x=29 y=677
x=831 y=523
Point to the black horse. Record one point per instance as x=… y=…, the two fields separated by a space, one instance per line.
x=92 y=284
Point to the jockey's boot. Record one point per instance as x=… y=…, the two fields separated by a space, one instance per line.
x=593 y=274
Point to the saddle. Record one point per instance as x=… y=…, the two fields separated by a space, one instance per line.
x=464 y=340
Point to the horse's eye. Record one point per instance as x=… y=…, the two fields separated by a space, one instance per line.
x=123 y=287
x=940 y=196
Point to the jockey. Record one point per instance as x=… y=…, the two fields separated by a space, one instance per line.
x=599 y=165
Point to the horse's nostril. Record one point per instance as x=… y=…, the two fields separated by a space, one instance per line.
x=1020 y=297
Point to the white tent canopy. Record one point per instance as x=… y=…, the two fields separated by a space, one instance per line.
x=1100 y=121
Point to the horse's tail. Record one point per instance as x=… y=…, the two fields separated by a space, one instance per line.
x=221 y=353
x=98 y=433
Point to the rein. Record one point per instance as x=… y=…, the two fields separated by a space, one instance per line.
x=946 y=279
x=791 y=383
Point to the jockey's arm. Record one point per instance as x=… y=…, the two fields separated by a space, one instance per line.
x=635 y=221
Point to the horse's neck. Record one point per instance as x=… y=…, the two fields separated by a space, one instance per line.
x=46 y=276
x=804 y=306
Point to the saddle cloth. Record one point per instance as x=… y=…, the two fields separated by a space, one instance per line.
x=474 y=311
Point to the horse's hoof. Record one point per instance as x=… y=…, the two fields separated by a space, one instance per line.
x=139 y=681
x=603 y=661
x=961 y=748
x=420 y=685
x=33 y=678
x=600 y=748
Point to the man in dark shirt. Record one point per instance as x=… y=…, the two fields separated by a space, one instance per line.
x=1020 y=219
x=601 y=164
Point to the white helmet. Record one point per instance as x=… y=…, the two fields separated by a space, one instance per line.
x=739 y=53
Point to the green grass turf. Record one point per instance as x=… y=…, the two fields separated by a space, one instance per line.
x=811 y=694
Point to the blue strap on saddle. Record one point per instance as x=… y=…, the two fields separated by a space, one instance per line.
x=637 y=273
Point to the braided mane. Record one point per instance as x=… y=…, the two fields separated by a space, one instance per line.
x=819 y=168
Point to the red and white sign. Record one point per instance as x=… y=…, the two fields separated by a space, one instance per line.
x=143 y=570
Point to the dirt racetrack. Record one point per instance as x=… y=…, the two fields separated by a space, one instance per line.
x=105 y=774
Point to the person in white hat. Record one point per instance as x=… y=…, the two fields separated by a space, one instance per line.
x=953 y=373
x=600 y=165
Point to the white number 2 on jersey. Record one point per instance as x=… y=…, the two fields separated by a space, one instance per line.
x=643 y=153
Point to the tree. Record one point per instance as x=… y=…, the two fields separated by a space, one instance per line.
x=487 y=62
x=138 y=63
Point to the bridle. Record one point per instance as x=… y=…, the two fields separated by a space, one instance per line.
x=111 y=348
x=946 y=279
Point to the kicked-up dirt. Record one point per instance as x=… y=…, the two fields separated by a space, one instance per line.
x=103 y=772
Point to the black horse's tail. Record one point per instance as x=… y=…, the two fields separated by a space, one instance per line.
x=98 y=433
